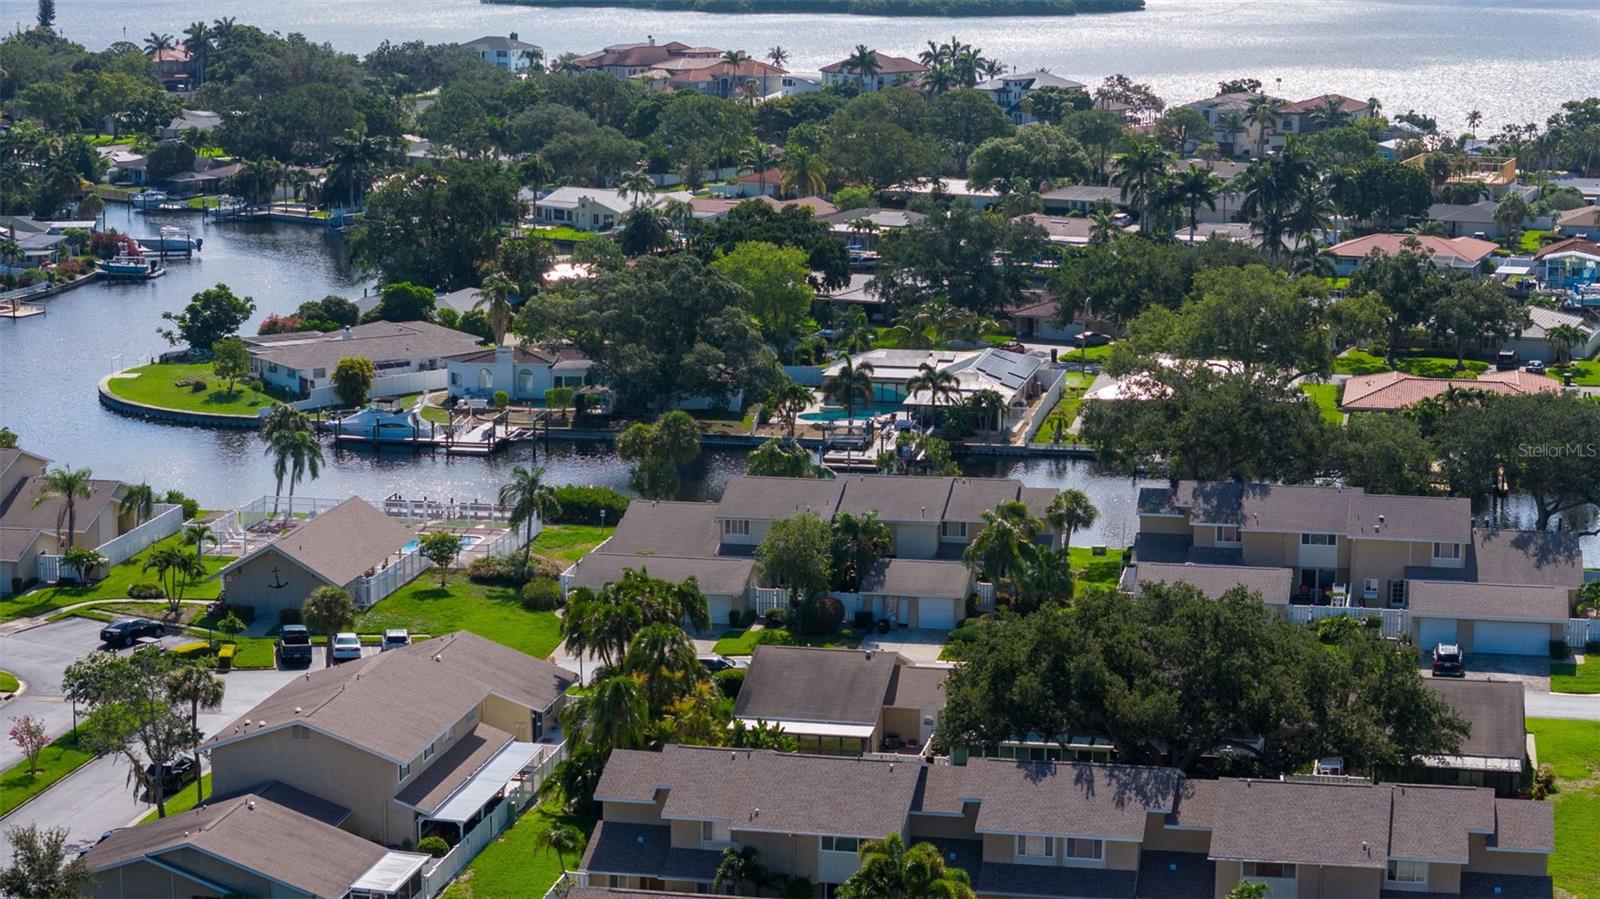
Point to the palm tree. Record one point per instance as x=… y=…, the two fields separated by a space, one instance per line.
x=528 y=499
x=1263 y=114
x=638 y=183
x=139 y=501
x=986 y=403
x=614 y=715
x=1231 y=124
x=645 y=230
x=734 y=57
x=305 y=457
x=494 y=295
x=788 y=401
x=327 y=611
x=197 y=40
x=176 y=570
x=662 y=657
x=222 y=28
x=783 y=457
x=804 y=173
x=200 y=689
x=1070 y=510
x=741 y=869
x=758 y=158
x=938 y=383
x=1103 y=227
x=751 y=91
x=1044 y=576
x=277 y=427
x=852 y=333
x=1330 y=114
x=1474 y=119
x=155 y=43
x=559 y=838
x=864 y=63
x=199 y=535
x=852 y=384
x=1003 y=542
x=1196 y=186
x=891 y=871
x=1563 y=338
x=1137 y=170
x=940 y=78
x=68 y=485
x=859 y=541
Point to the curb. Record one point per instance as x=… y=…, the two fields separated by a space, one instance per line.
x=22 y=687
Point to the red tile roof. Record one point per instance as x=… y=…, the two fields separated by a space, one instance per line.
x=1392 y=391
x=1570 y=245
x=887 y=65
x=1469 y=249
x=1348 y=105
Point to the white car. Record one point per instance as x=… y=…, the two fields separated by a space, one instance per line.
x=346 y=647
x=394 y=638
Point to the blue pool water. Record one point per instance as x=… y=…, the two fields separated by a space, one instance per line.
x=467 y=540
x=832 y=414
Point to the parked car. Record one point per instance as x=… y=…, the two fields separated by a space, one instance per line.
x=395 y=637
x=126 y=631
x=1447 y=661
x=1506 y=360
x=714 y=662
x=1536 y=367
x=173 y=774
x=294 y=645
x=1091 y=338
x=1014 y=346
x=346 y=647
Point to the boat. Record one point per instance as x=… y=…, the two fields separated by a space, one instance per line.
x=148 y=199
x=227 y=207
x=171 y=239
x=386 y=423
x=132 y=268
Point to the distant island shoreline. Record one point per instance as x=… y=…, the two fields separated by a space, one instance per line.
x=949 y=8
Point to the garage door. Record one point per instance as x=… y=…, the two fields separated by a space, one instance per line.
x=1518 y=638
x=719 y=606
x=936 y=614
x=1433 y=631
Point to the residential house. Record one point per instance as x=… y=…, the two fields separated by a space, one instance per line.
x=1308 y=116
x=1494 y=753
x=630 y=60
x=507 y=52
x=1044 y=829
x=1477 y=220
x=1461 y=254
x=960 y=189
x=1012 y=91
x=411 y=742
x=862 y=226
x=595 y=208
x=1083 y=199
x=175 y=68
x=209 y=176
x=1067 y=231
x=124 y=166
x=31 y=526
x=892 y=71
x=191 y=120
x=1394 y=391
x=712 y=209
x=1243 y=232
x=523 y=373
x=842 y=701
x=1491 y=591
x=271 y=841
x=766 y=182
x=303 y=361
x=1015 y=377
x=1495 y=176
x=337 y=548
x=1037 y=317
x=1582 y=222
x=1571 y=264
x=1534 y=342
x=1588 y=188
x=1252 y=136
x=716 y=77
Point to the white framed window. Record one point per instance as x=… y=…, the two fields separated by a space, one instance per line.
x=1408 y=872
x=841 y=844
x=1035 y=847
x=1447 y=551
x=953 y=529
x=1227 y=535
x=1319 y=539
x=1086 y=850
x=739 y=527
x=1269 y=870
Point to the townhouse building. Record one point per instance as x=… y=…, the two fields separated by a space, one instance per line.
x=33 y=523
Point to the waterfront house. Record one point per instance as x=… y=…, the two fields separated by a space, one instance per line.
x=508 y=53
x=861 y=226
x=1582 y=222
x=1493 y=176
x=1045 y=829
x=1477 y=219
x=842 y=701
x=892 y=71
x=417 y=741
x=523 y=373
x=711 y=209
x=303 y=362
x=629 y=60
x=191 y=120
x=1015 y=377
x=1082 y=199
x=766 y=182
x=1012 y=92
x=28 y=531
x=1307 y=116
x=1469 y=255
x=1394 y=391
x=595 y=208
x=1534 y=341
x=715 y=77
x=175 y=68
x=958 y=189
x=1570 y=264
x=1266 y=138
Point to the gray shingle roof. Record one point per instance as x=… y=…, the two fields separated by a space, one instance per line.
x=1301 y=823
x=971 y=497
x=341 y=544
x=1495 y=709
x=652 y=528
x=1524 y=825
x=793 y=683
x=1076 y=799
x=645 y=850
x=1505 y=602
x=1274 y=584
x=773 y=499
x=719 y=576
x=1526 y=557
x=452 y=769
x=918 y=577
x=378 y=341
x=1432 y=823
x=917 y=687
x=896 y=498
x=1349 y=511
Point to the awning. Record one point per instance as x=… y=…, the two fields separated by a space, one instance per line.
x=816 y=728
x=479 y=788
x=391 y=872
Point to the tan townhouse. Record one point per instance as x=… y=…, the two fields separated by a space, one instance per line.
x=31 y=526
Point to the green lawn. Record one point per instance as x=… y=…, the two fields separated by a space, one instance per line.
x=45 y=600
x=1068 y=406
x=1326 y=396
x=515 y=865
x=156 y=386
x=422 y=606
x=1096 y=571
x=9 y=682
x=569 y=542
x=1531 y=241
x=59 y=759
x=562 y=232
x=1573 y=749
x=743 y=642
x=1565 y=677
x=1360 y=362
x=1585 y=373
x=184 y=801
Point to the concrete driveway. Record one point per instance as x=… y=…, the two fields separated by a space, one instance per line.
x=920 y=646
x=1533 y=672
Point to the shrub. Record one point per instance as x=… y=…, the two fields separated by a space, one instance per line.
x=434 y=846
x=1544 y=781
x=498 y=570
x=822 y=615
x=863 y=620
x=541 y=595
x=747 y=618
x=192 y=648
x=191 y=507
x=734 y=616
x=225 y=655
x=730 y=681
x=774 y=636
x=1559 y=649
x=584 y=505
x=146 y=590
x=501 y=399
x=288 y=616
x=198 y=385
x=777 y=617
x=1592 y=647
x=971 y=606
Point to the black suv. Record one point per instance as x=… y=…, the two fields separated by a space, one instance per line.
x=294 y=645
x=1447 y=661
x=173 y=774
x=125 y=631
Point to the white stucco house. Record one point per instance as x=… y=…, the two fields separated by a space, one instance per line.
x=507 y=53
x=303 y=362
x=524 y=373
x=595 y=208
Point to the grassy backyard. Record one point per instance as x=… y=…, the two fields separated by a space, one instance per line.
x=48 y=599
x=1566 y=677
x=1585 y=373
x=563 y=232
x=1573 y=749
x=60 y=758
x=422 y=606
x=1326 y=397
x=1091 y=570
x=1360 y=362
x=569 y=542
x=743 y=642
x=1067 y=407
x=516 y=865
x=1530 y=241
x=157 y=385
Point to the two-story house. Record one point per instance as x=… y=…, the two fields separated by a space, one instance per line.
x=506 y=53
x=1012 y=92
x=522 y=372
x=889 y=71
x=32 y=525
x=1043 y=829
x=1493 y=591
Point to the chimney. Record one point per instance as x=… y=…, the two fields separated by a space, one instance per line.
x=513 y=35
x=652 y=39
x=345 y=334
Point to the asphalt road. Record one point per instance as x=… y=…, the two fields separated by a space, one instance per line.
x=1561 y=705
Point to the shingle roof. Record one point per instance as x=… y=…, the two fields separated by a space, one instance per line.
x=1526 y=557
x=1432 y=823
x=1495 y=711
x=1274 y=584
x=1523 y=825
x=1301 y=823
x=917 y=687
x=645 y=850
x=341 y=544
x=760 y=790
x=793 y=683
x=395 y=703
x=378 y=341
x=917 y=577
x=15 y=542
x=1078 y=799
x=772 y=499
x=1571 y=245
x=1349 y=511
x=254 y=833
x=896 y=498
x=22 y=513
x=452 y=769
x=653 y=528
x=717 y=576
x=1502 y=602
x=971 y=497
x=1195 y=805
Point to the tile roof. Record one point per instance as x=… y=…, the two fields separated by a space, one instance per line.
x=499 y=42
x=1444 y=249
x=657 y=528
x=917 y=577
x=1274 y=584
x=1494 y=709
x=1391 y=390
x=1493 y=602
x=378 y=341
x=772 y=499
x=452 y=769
x=887 y=65
x=1075 y=799
x=794 y=683
x=1346 y=104
x=1526 y=557
x=341 y=544
x=727 y=575
x=896 y=498
x=395 y=703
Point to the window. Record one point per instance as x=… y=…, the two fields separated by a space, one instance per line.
x=840 y=844
x=739 y=527
x=1036 y=847
x=714 y=832
x=1408 y=872
x=953 y=529
x=405 y=772
x=319 y=373
x=1227 y=535
x=1272 y=870
x=1085 y=849
x=485 y=379
x=1397 y=593
x=427 y=752
x=1319 y=539
x=1448 y=551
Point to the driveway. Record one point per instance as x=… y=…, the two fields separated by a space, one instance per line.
x=920 y=646
x=1533 y=672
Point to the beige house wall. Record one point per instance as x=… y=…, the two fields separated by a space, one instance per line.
x=142 y=880
x=1163 y=524
x=999 y=847
x=251 y=584
x=903 y=723
x=1444 y=878
x=1227 y=878
x=1158 y=838
x=338 y=772
x=220 y=872
x=685 y=834
x=1480 y=858
x=795 y=856
x=1336 y=881
x=1386 y=560
x=1119 y=856
x=637 y=813
x=1269 y=549
x=513 y=718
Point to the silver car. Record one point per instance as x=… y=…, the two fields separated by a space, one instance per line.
x=346 y=647
x=395 y=637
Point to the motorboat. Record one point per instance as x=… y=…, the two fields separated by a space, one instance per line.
x=171 y=239
x=386 y=423
x=132 y=268
x=148 y=199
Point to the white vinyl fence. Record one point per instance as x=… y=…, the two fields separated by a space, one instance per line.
x=388 y=385
x=1580 y=631
x=1396 y=622
x=166 y=521
x=1046 y=405
x=504 y=815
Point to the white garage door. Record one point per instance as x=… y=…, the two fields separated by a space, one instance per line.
x=936 y=614
x=1433 y=631
x=719 y=606
x=1517 y=638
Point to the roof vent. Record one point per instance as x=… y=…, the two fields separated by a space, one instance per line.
x=251 y=805
x=297 y=710
x=261 y=723
x=1366 y=848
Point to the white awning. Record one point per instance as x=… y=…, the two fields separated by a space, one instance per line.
x=494 y=775
x=391 y=872
x=817 y=728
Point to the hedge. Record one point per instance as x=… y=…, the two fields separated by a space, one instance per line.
x=584 y=505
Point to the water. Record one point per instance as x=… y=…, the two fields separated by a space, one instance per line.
x=1514 y=60
x=465 y=541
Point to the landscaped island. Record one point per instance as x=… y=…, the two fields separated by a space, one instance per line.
x=865 y=7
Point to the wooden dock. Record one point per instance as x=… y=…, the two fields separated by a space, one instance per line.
x=463 y=437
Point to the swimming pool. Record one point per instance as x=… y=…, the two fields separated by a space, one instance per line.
x=467 y=541
x=833 y=414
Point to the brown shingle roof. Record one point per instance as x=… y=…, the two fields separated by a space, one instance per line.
x=1301 y=823
x=1503 y=602
x=971 y=497
x=1526 y=557
x=896 y=498
x=1524 y=826
x=1349 y=511
x=1055 y=798
x=917 y=687
x=1274 y=584
x=341 y=544
x=718 y=576
x=794 y=683
x=653 y=528
x=452 y=769
x=772 y=499
x=1432 y=823
x=918 y=577
x=1494 y=709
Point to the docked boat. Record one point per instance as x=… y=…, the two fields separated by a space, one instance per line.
x=172 y=239
x=132 y=268
x=148 y=199
x=386 y=423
